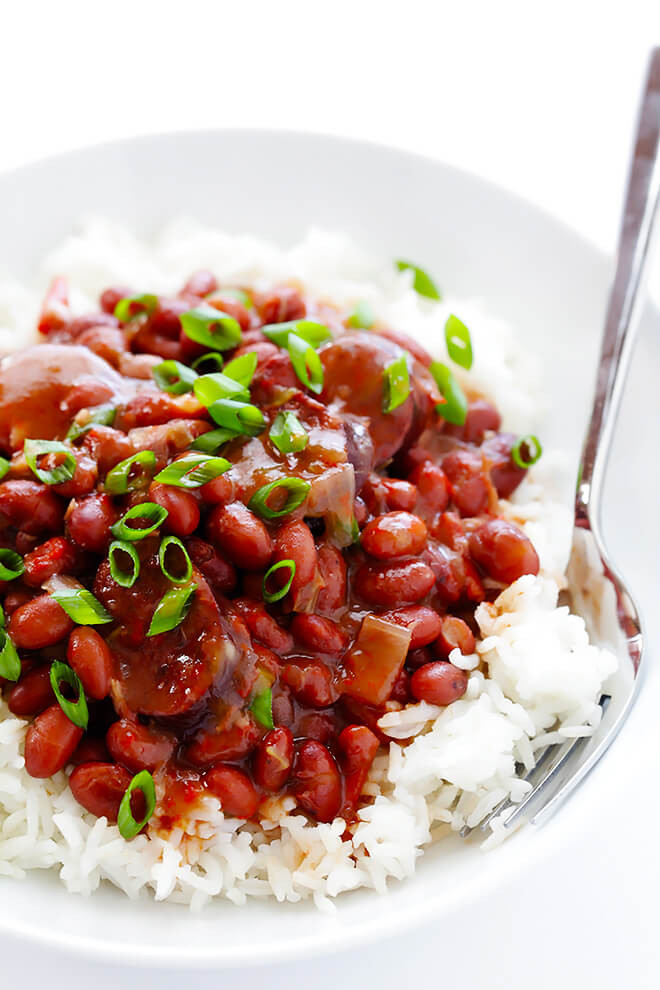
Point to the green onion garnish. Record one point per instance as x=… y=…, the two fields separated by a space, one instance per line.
x=306 y=363
x=76 y=711
x=262 y=708
x=4 y=467
x=211 y=328
x=193 y=470
x=205 y=364
x=454 y=409
x=210 y=388
x=10 y=663
x=242 y=368
x=99 y=416
x=130 y=307
x=171 y=609
x=312 y=333
x=173 y=543
x=295 y=488
x=362 y=317
x=459 y=344
x=122 y=479
x=125 y=578
x=128 y=827
x=275 y=596
x=174 y=377
x=242 y=418
x=396 y=384
x=149 y=512
x=210 y=442
x=11 y=564
x=78 y=603
x=34 y=449
x=526 y=451
x=288 y=434
x=423 y=284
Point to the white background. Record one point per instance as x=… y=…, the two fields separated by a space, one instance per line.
x=538 y=97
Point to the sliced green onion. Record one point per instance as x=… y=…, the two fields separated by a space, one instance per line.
x=296 y=490
x=526 y=451
x=130 y=307
x=454 y=409
x=242 y=368
x=121 y=478
x=11 y=564
x=396 y=384
x=459 y=343
x=210 y=442
x=275 y=596
x=312 y=333
x=174 y=377
x=423 y=284
x=126 y=823
x=242 y=418
x=125 y=578
x=211 y=328
x=288 y=434
x=150 y=512
x=76 y=711
x=99 y=416
x=34 y=449
x=78 y=603
x=306 y=363
x=4 y=467
x=10 y=663
x=205 y=364
x=171 y=609
x=262 y=708
x=174 y=543
x=193 y=470
x=210 y=388
x=362 y=317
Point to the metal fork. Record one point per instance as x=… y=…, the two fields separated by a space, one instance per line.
x=596 y=590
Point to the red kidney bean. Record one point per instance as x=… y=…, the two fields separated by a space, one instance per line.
x=138 y=365
x=503 y=550
x=232 y=307
x=220 y=574
x=401 y=689
x=84 y=477
x=108 y=342
x=455 y=634
x=474 y=586
x=234 y=790
x=99 y=788
x=55 y=556
x=310 y=681
x=89 y=520
x=316 y=781
x=90 y=749
x=30 y=506
x=85 y=395
x=396 y=534
x=295 y=542
x=87 y=320
x=470 y=489
x=220 y=491
x=32 y=693
x=424 y=623
x=241 y=535
x=263 y=626
x=182 y=509
x=332 y=569
x=15 y=598
x=229 y=744
x=448 y=566
x=417 y=658
x=89 y=655
x=200 y=284
x=274 y=375
x=481 y=416
x=38 y=623
x=138 y=747
x=319 y=725
x=281 y=305
x=399 y=495
x=438 y=683
x=110 y=297
x=273 y=759
x=106 y=446
x=448 y=529
x=505 y=474
x=389 y=585
x=317 y=634
x=358 y=746
x=50 y=742
x=165 y=320
x=262 y=348
x=432 y=485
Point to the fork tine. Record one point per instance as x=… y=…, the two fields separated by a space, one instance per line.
x=551 y=768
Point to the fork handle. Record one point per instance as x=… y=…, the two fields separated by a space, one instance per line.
x=625 y=299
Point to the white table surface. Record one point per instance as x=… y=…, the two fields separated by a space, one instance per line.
x=538 y=98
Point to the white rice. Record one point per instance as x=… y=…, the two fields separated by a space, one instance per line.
x=535 y=678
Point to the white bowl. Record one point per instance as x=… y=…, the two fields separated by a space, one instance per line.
x=478 y=241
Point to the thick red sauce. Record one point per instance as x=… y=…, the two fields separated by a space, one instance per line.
x=368 y=624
